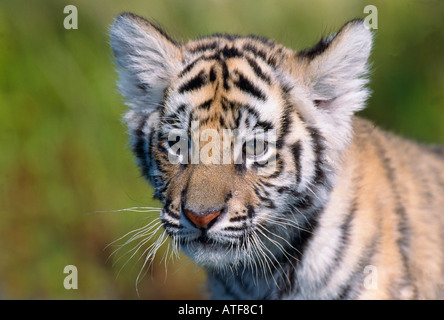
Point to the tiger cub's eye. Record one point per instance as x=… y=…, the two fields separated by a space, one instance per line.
x=255 y=147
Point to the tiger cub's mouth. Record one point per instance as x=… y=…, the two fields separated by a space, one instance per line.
x=215 y=244
x=205 y=240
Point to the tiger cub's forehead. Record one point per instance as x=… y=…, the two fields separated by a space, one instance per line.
x=226 y=79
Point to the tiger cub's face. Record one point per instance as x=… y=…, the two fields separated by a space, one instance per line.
x=239 y=136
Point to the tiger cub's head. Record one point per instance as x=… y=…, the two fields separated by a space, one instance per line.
x=239 y=136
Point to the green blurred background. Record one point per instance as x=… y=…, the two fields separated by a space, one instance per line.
x=63 y=148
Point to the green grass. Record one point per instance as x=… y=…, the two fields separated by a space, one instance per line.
x=63 y=148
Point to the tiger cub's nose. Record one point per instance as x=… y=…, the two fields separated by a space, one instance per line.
x=202 y=220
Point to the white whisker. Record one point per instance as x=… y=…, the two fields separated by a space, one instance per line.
x=132 y=209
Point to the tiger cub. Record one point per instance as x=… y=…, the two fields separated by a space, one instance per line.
x=267 y=179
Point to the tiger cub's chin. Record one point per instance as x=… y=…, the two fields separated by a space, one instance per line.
x=212 y=256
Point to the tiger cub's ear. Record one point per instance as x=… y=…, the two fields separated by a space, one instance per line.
x=334 y=76
x=337 y=69
x=147 y=59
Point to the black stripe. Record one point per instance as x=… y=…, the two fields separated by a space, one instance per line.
x=221 y=56
x=316 y=50
x=265 y=125
x=237 y=121
x=400 y=211
x=267 y=202
x=258 y=71
x=247 y=86
x=285 y=122
x=260 y=164
x=139 y=147
x=249 y=109
x=172 y=214
x=296 y=151
x=251 y=211
x=229 y=52
x=195 y=83
x=167 y=224
x=211 y=45
x=206 y=104
x=403 y=227
x=301 y=240
x=345 y=230
x=225 y=75
x=284 y=189
x=227 y=104
x=174 y=118
x=320 y=177
x=189 y=67
x=149 y=156
x=222 y=123
x=193 y=63
x=213 y=74
x=181 y=109
x=240 y=168
x=255 y=51
x=161 y=145
x=324 y=43
x=279 y=167
x=232 y=228
x=238 y=218
x=266 y=183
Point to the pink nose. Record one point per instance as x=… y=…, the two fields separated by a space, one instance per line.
x=201 y=220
